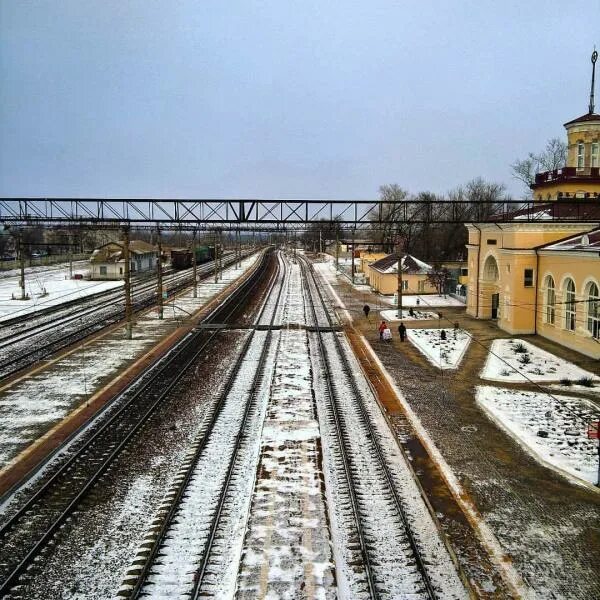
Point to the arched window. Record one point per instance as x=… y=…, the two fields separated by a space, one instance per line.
x=550 y=300
x=593 y=310
x=570 y=306
x=490 y=269
x=580 y=155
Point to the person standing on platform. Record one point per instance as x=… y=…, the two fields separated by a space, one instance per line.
x=402 y=331
x=366 y=310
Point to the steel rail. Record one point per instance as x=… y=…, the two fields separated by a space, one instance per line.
x=258 y=376
x=215 y=412
x=142 y=302
x=342 y=448
x=102 y=448
x=373 y=436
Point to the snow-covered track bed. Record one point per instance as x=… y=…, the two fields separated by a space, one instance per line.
x=387 y=544
x=188 y=552
x=45 y=335
x=28 y=529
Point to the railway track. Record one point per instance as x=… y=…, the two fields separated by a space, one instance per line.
x=26 y=532
x=194 y=545
x=33 y=343
x=392 y=561
x=216 y=455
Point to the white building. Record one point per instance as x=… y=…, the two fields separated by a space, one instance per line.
x=107 y=261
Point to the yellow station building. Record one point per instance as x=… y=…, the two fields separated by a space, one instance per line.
x=542 y=275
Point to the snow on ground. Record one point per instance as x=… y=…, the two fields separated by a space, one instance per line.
x=173 y=575
x=418 y=315
x=552 y=428
x=46 y=287
x=518 y=360
x=31 y=406
x=287 y=549
x=444 y=354
x=393 y=569
x=424 y=301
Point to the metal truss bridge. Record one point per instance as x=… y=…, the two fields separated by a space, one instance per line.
x=283 y=214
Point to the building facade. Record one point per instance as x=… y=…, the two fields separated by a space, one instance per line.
x=543 y=277
x=107 y=261
x=383 y=275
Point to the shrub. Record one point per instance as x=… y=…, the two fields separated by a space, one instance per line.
x=566 y=381
x=520 y=348
x=586 y=382
x=524 y=359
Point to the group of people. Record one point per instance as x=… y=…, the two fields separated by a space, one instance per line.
x=386 y=334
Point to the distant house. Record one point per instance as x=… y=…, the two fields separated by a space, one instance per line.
x=107 y=261
x=368 y=258
x=383 y=275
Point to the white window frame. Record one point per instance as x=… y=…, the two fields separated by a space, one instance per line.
x=102 y=270
x=580 y=156
x=595 y=154
x=550 y=301
x=570 y=306
x=593 y=311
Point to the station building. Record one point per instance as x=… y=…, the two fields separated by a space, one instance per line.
x=543 y=276
x=108 y=262
x=383 y=275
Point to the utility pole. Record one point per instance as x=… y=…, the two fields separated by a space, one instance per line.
x=159 y=277
x=21 y=264
x=337 y=250
x=128 y=323
x=400 y=283
x=352 y=255
x=70 y=242
x=238 y=249
x=215 y=241
x=194 y=264
x=320 y=242
x=221 y=254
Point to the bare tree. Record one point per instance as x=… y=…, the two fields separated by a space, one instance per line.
x=554 y=156
x=439 y=277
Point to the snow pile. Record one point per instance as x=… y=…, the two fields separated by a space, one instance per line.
x=553 y=429
x=444 y=354
x=424 y=301
x=418 y=315
x=518 y=360
x=46 y=287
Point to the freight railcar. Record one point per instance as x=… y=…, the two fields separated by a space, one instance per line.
x=182 y=258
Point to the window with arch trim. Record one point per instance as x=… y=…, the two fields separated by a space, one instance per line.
x=593 y=310
x=550 y=300
x=580 y=155
x=570 y=306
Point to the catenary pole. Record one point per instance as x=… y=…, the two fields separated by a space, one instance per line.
x=159 y=277
x=21 y=256
x=400 y=283
x=337 y=250
x=216 y=257
x=352 y=255
x=194 y=264
x=128 y=323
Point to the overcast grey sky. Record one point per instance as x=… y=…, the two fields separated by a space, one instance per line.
x=289 y=99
